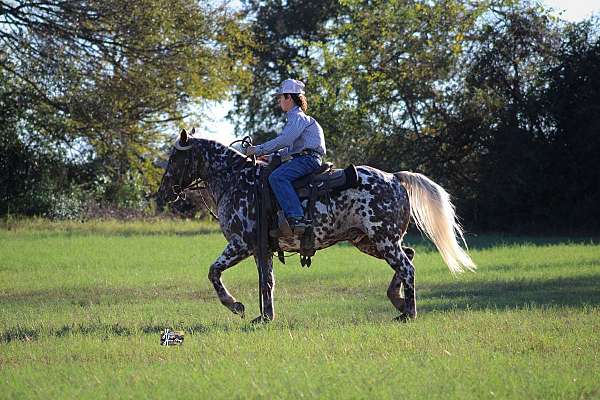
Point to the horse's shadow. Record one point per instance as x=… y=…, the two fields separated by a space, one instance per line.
x=501 y=294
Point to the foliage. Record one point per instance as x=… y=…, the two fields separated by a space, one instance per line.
x=282 y=35
x=30 y=172
x=496 y=100
x=105 y=77
x=505 y=127
x=524 y=177
x=572 y=106
x=465 y=92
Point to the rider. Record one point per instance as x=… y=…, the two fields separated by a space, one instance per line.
x=301 y=138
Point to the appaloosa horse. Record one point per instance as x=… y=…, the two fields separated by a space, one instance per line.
x=373 y=217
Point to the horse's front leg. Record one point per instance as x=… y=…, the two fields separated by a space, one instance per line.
x=266 y=291
x=235 y=252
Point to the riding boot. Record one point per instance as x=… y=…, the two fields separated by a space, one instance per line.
x=283 y=229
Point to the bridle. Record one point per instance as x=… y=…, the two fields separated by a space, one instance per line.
x=199 y=184
x=179 y=189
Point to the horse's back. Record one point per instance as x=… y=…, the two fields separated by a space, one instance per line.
x=379 y=202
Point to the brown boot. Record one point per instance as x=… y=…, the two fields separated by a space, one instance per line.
x=284 y=229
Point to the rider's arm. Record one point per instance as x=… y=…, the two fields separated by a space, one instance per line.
x=283 y=152
x=291 y=131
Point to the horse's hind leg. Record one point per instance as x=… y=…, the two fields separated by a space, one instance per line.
x=404 y=277
x=394 y=294
x=394 y=290
x=368 y=247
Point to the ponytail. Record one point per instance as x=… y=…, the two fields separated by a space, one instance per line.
x=300 y=101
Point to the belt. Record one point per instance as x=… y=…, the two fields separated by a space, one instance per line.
x=307 y=152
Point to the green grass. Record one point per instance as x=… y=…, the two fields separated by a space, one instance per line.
x=81 y=307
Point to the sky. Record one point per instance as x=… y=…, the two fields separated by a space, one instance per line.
x=218 y=128
x=574 y=10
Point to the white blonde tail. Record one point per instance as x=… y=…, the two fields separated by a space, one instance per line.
x=434 y=215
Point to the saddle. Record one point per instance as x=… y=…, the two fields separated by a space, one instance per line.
x=326 y=179
x=323 y=182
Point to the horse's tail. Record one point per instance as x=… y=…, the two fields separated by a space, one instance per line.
x=434 y=215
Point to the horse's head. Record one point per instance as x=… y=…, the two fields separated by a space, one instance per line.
x=182 y=170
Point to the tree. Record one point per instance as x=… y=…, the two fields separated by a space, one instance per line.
x=283 y=36
x=389 y=71
x=572 y=106
x=106 y=77
x=372 y=70
x=496 y=127
x=458 y=90
x=30 y=174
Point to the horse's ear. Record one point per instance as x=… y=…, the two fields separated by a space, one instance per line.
x=183 y=137
x=193 y=131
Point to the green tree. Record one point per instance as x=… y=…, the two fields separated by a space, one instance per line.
x=389 y=70
x=466 y=92
x=107 y=77
x=284 y=34
x=491 y=140
x=373 y=70
x=30 y=173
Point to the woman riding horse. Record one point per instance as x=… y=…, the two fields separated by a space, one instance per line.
x=373 y=216
x=302 y=138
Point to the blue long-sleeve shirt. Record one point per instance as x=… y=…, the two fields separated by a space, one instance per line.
x=299 y=133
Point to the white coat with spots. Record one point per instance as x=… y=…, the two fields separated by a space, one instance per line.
x=373 y=217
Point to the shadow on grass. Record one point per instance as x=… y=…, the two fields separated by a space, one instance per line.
x=106 y=331
x=488 y=241
x=87 y=297
x=567 y=292
x=477 y=295
x=125 y=232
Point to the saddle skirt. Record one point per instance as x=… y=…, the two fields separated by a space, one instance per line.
x=326 y=179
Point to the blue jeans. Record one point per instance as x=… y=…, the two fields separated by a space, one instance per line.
x=281 y=182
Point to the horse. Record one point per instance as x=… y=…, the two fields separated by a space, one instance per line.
x=373 y=216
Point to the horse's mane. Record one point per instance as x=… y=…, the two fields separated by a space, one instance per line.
x=221 y=148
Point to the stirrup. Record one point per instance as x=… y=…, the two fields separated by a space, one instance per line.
x=299 y=225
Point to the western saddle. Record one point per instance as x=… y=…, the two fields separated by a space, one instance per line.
x=323 y=182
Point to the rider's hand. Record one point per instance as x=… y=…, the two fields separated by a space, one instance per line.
x=250 y=150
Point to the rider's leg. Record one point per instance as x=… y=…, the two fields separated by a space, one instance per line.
x=281 y=182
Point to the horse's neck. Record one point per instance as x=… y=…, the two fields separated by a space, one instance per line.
x=223 y=167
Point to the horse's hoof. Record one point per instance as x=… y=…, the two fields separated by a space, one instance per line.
x=261 y=319
x=239 y=309
x=404 y=317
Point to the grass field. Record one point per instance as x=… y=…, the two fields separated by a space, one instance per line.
x=82 y=305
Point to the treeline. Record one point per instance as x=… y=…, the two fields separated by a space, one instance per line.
x=498 y=101
x=89 y=91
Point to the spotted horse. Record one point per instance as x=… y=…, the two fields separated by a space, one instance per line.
x=373 y=216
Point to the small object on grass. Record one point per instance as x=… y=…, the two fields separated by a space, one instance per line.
x=171 y=338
